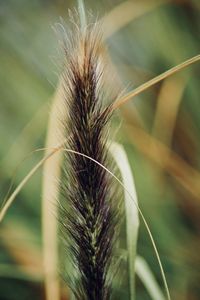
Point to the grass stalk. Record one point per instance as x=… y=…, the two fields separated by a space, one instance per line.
x=131 y=211
x=51 y=175
x=144 y=273
x=119 y=102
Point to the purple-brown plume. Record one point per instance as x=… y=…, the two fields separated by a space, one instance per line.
x=87 y=211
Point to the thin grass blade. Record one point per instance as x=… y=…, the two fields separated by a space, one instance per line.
x=132 y=218
x=146 y=276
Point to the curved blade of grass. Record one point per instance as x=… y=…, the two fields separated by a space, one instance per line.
x=132 y=219
x=146 y=276
x=148 y=84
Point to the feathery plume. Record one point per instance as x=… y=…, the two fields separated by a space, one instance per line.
x=87 y=213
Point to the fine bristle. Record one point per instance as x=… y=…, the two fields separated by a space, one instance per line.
x=87 y=214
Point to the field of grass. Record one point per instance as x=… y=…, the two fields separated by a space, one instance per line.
x=159 y=129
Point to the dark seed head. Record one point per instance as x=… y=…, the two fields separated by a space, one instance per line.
x=87 y=213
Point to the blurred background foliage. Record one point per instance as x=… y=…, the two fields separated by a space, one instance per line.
x=160 y=130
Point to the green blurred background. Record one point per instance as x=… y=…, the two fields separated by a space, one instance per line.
x=144 y=38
